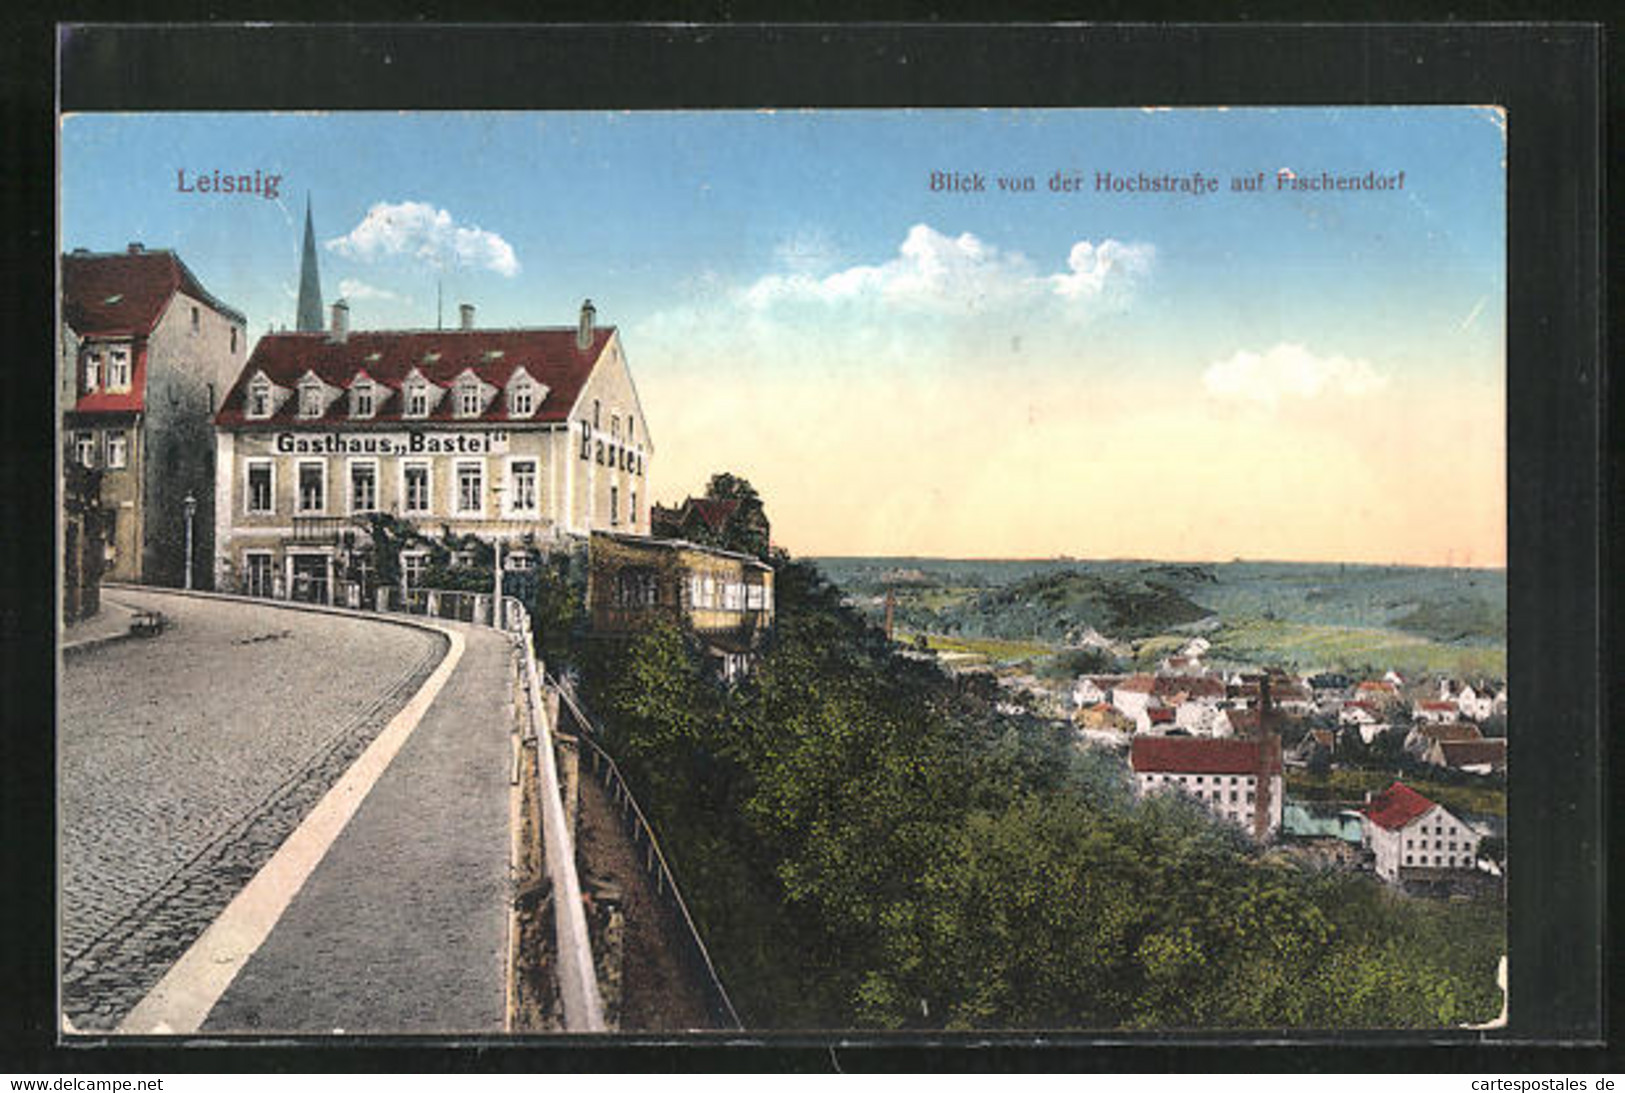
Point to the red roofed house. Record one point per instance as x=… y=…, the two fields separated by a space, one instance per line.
x=497 y=433
x=146 y=353
x=1408 y=832
x=1239 y=780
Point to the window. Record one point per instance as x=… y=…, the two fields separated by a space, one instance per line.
x=470 y=487
x=415 y=487
x=311 y=400
x=260 y=488
x=363 y=487
x=615 y=426
x=84 y=449
x=521 y=400
x=631 y=429
x=312 y=487
x=522 y=494
x=93 y=371
x=1407 y=859
x=417 y=400
x=469 y=402
x=710 y=591
x=118 y=370
x=413 y=563
x=632 y=508
x=117 y=449
x=260 y=581
x=234 y=339
x=361 y=399
x=586 y=441
x=197 y=319
x=614 y=505
x=597 y=420
x=753 y=597
x=259 y=398
x=1232 y=795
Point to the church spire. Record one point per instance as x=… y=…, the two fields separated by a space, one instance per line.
x=310 y=281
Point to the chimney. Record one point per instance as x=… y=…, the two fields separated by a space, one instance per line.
x=341 y=321
x=584 y=331
x=467 y=311
x=136 y=248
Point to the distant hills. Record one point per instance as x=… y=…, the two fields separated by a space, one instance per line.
x=1310 y=614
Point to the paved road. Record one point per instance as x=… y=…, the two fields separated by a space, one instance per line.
x=186 y=759
x=403 y=926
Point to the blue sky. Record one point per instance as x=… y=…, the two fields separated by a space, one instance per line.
x=795 y=299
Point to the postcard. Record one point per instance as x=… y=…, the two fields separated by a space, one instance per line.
x=875 y=570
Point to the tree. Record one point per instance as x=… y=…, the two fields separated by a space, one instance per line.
x=747 y=530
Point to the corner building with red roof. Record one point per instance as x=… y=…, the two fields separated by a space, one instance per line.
x=500 y=433
x=145 y=355
x=1410 y=836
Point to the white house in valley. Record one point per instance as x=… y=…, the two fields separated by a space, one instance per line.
x=1409 y=834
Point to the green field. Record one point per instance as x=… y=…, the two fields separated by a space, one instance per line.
x=1316 y=645
x=1352 y=785
x=997 y=650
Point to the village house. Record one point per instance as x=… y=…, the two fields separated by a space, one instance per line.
x=1203 y=719
x=725 y=597
x=1423 y=737
x=1410 y=836
x=1237 y=780
x=1133 y=695
x=1102 y=717
x=520 y=433
x=1089 y=690
x=1488 y=756
x=145 y=355
x=1435 y=712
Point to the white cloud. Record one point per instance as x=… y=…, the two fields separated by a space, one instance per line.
x=1290 y=371
x=419 y=231
x=1094 y=266
x=942 y=274
x=351 y=289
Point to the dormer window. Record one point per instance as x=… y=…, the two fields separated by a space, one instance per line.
x=259 y=398
x=521 y=401
x=363 y=399
x=470 y=400
x=118 y=369
x=417 y=399
x=312 y=400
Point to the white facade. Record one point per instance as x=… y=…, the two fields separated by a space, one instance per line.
x=1232 y=797
x=1434 y=840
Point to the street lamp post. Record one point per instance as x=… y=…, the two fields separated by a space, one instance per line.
x=496 y=563
x=191 y=510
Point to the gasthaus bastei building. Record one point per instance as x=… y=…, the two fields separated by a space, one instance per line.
x=502 y=433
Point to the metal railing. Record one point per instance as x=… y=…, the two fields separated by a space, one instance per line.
x=654 y=862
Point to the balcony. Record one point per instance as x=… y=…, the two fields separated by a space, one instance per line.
x=322 y=530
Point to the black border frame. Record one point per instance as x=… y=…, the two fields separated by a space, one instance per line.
x=1547 y=75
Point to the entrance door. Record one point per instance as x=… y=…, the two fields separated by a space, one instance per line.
x=309 y=578
x=259 y=575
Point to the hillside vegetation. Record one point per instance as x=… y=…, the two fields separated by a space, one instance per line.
x=867 y=842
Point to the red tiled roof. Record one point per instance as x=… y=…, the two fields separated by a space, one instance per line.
x=126 y=294
x=1441 y=706
x=1199 y=755
x=1396 y=806
x=549 y=355
x=1160 y=715
x=1140 y=684
x=1382 y=686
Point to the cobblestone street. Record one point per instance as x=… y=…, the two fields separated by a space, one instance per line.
x=186 y=759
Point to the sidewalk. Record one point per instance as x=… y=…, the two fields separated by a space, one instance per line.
x=111 y=623
x=402 y=927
